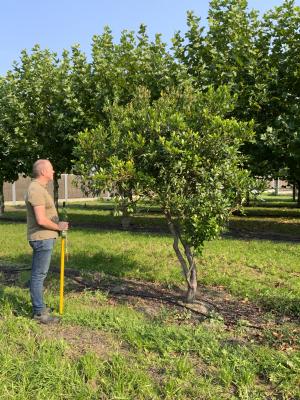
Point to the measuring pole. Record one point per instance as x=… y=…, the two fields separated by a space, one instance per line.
x=63 y=252
x=62 y=272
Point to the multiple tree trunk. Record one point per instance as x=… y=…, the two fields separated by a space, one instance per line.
x=187 y=261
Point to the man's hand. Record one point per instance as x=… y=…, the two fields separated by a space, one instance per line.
x=63 y=226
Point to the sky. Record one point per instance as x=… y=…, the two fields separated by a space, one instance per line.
x=58 y=24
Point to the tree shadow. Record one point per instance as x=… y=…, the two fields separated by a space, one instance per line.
x=269 y=212
x=104 y=262
x=282 y=305
x=110 y=206
x=17 y=274
x=263 y=229
x=90 y=216
x=104 y=271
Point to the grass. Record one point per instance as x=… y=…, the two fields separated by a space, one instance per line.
x=108 y=349
x=267 y=225
x=268 y=198
x=157 y=359
x=264 y=272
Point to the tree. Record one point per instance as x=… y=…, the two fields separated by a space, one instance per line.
x=280 y=117
x=231 y=51
x=51 y=114
x=59 y=97
x=180 y=150
x=12 y=140
x=226 y=54
x=117 y=69
x=115 y=73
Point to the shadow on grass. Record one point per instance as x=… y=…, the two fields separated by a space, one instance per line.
x=273 y=199
x=108 y=263
x=113 y=269
x=272 y=212
x=105 y=262
x=282 y=305
x=141 y=222
x=17 y=273
x=264 y=228
x=138 y=223
x=109 y=206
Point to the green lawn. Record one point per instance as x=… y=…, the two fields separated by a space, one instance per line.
x=268 y=198
x=108 y=349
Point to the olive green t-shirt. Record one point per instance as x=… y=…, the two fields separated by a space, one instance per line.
x=37 y=195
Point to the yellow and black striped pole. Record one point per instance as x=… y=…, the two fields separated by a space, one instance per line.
x=62 y=272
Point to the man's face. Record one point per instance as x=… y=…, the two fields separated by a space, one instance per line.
x=49 y=171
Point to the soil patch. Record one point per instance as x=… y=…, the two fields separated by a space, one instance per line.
x=81 y=340
x=211 y=302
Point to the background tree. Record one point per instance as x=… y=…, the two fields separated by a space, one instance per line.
x=51 y=113
x=179 y=149
x=230 y=52
x=224 y=54
x=12 y=139
x=279 y=120
x=258 y=60
x=116 y=71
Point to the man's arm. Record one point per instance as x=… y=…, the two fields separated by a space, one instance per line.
x=42 y=220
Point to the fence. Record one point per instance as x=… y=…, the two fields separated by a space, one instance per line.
x=14 y=192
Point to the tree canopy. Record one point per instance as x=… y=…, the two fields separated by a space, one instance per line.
x=180 y=150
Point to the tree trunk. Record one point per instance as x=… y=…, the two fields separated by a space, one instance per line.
x=192 y=276
x=125 y=219
x=294 y=192
x=126 y=222
x=298 y=193
x=55 y=191
x=247 y=203
x=192 y=285
x=276 y=192
x=187 y=263
x=1 y=198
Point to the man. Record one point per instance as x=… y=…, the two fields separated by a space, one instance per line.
x=42 y=230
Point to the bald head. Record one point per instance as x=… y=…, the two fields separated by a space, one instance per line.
x=39 y=167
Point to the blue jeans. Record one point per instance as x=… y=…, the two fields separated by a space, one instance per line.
x=41 y=257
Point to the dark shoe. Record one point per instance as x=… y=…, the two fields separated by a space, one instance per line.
x=46 y=318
